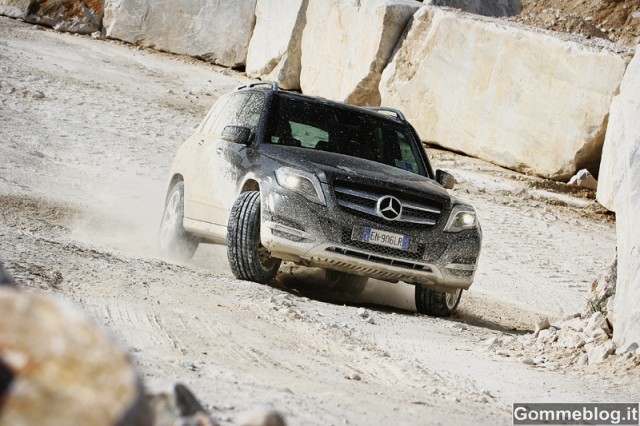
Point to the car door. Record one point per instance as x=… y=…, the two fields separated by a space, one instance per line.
x=219 y=162
x=238 y=157
x=191 y=169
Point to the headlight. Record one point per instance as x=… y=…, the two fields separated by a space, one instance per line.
x=461 y=218
x=305 y=184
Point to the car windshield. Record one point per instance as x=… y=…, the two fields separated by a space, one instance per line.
x=314 y=125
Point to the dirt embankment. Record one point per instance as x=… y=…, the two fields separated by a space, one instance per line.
x=613 y=20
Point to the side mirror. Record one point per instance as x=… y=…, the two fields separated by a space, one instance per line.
x=237 y=134
x=445 y=179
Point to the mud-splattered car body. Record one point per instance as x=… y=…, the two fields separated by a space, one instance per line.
x=343 y=188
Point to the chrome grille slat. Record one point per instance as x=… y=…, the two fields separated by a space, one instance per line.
x=418 y=220
x=410 y=205
x=356 y=207
x=355 y=193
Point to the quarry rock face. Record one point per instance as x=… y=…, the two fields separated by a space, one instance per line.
x=482 y=7
x=622 y=140
x=76 y=16
x=218 y=32
x=346 y=45
x=526 y=100
x=14 y=8
x=275 y=49
x=618 y=190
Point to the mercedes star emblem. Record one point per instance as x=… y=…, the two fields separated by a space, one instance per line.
x=389 y=208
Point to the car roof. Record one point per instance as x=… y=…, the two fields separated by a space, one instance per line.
x=379 y=112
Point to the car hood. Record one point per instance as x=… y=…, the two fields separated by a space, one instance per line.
x=329 y=166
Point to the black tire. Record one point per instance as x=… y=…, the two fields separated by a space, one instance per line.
x=173 y=240
x=437 y=303
x=342 y=282
x=248 y=259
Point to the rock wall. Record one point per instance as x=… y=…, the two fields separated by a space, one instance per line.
x=275 y=50
x=75 y=16
x=482 y=7
x=523 y=99
x=14 y=8
x=346 y=45
x=218 y=32
x=619 y=190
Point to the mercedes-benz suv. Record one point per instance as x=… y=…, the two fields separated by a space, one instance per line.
x=279 y=176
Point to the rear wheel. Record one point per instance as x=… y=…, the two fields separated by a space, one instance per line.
x=437 y=303
x=345 y=283
x=173 y=240
x=248 y=258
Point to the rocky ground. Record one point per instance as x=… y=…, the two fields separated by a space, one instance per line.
x=613 y=20
x=88 y=129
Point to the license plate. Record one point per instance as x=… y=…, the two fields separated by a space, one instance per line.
x=382 y=238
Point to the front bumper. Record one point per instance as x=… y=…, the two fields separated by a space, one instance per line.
x=298 y=230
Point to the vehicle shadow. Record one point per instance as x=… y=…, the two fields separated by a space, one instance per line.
x=377 y=295
x=475 y=309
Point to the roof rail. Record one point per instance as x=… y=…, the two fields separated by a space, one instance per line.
x=397 y=112
x=273 y=84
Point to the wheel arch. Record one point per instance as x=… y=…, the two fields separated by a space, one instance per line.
x=251 y=184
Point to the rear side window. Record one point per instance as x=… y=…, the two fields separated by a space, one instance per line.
x=228 y=115
x=250 y=114
x=238 y=109
x=213 y=115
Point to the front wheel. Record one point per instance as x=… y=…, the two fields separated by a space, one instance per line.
x=437 y=303
x=173 y=240
x=248 y=258
x=341 y=282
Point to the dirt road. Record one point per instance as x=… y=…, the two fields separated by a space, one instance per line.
x=88 y=129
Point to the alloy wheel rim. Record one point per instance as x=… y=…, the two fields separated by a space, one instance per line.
x=170 y=218
x=452 y=298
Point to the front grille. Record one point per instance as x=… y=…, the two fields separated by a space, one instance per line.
x=362 y=200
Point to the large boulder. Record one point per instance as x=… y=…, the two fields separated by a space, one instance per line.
x=347 y=43
x=14 y=8
x=58 y=368
x=77 y=16
x=621 y=139
x=275 y=49
x=525 y=99
x=216 y=31
x=482 y=7
x=619 y=190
